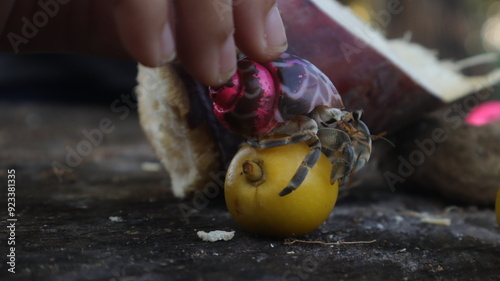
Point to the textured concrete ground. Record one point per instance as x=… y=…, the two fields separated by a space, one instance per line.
x=109 y=216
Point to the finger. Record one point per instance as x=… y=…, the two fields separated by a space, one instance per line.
x=259 y=30
x=145 y=30
x=205 y=39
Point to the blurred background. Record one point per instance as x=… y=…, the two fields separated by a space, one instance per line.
x=454 y=29
x=64 y=78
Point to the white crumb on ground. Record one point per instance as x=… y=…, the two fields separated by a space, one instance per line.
x=115 y=219
x=438 y=221
x=151 y=166
x=215 y=235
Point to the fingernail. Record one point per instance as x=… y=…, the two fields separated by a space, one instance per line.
x=274 y=32
x=227 y=60
x=167 y=47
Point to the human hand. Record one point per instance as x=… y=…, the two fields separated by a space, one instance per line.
x=201 y=34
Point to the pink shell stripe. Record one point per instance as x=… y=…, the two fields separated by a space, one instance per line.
x=304 y=87
x=260 y=96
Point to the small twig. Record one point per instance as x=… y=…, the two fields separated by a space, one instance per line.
x=293 y=241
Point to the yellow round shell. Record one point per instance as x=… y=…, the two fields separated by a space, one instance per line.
x=261 y=210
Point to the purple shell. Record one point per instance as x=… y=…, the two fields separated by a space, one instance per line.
x=303 y=87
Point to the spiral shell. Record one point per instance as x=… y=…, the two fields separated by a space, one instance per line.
x=260 y=96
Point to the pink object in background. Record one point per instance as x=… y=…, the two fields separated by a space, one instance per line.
x=484 y=114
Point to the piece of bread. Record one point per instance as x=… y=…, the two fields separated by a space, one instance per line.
x=183 y=141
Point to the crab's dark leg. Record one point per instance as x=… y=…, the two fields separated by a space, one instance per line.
x=286 y=140
x=299 y=129
x=342 y=166
x=308 y=162
x=336 y=145
x=362 y=144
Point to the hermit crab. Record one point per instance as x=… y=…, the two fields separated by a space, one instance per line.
x=290 y=101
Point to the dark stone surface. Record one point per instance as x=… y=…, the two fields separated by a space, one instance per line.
x=111 y=219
